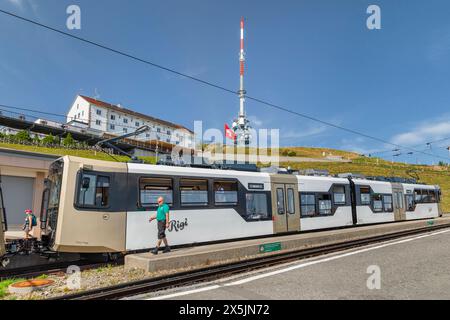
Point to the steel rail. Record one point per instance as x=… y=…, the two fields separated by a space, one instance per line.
x=219 y=271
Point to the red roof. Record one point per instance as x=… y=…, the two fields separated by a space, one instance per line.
x=131 y=112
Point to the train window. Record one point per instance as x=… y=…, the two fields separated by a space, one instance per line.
x=387 y=200
x=426 y=196
x=418 y=196
x=93 y=190
x=399 y=199
x=290 y=201
x=256 y=206
x=150 y=189
x=280 y=200
x=433 y=196
x=225 y=192
x=365 y=195
x=409 y=202
x=308 y=205
x=324 y=201
x=378 y=203
x=194 y=192
x=339 y=194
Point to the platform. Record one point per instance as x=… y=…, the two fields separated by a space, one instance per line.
x=205 y=255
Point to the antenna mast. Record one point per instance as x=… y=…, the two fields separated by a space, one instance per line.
x=241 y=125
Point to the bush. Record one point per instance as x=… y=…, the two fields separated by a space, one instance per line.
x=292 y=154
x=68 y=141
x=49 y=140
x=23 y=136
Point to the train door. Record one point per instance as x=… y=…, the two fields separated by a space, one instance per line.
x=285 y=204
x=398 y=202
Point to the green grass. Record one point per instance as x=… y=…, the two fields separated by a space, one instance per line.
x=5 y=284
x=72 y=152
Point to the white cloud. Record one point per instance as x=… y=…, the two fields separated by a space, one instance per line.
x=302 y=132
x=255 y=122
x=26 y=5
x=427 y=131
x=358 y=145
x=17 y=3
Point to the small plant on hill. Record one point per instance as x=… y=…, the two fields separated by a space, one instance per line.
x=23 y=136
x=49 y=140
x=68 y=141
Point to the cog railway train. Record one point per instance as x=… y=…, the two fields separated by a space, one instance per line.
x=92 y=206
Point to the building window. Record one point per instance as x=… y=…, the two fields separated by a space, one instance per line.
x=365 y=195
x=194 y=192
x=137 y=124
x=168 y=132
x=158 y=130
x=98 y=122
x=93 y=190
x=112 y=127
x=147 y=135
x=225 y=192
x=125 y=120
x=153 y=188
x=308 y=205
x=113 y=117
x=99 y=112
x=256 y=206
x=339 y=194
x=168 y=140
x=324 y=201
x=125 y=130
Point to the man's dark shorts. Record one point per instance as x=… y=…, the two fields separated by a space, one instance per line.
x=161 y=229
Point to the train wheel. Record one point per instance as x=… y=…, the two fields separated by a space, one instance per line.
x=5 y=262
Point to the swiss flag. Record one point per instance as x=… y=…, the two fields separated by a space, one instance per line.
x=229 y=133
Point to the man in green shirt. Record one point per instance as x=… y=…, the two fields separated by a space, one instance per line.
x=162 y=217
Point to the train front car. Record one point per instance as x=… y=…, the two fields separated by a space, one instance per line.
x=421 y=201
x=84 y=206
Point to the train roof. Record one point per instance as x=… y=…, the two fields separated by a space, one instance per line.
x=230 y=170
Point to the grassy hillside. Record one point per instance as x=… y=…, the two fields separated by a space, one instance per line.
x=72 y=152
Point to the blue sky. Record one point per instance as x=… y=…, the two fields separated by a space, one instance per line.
x=315 y=57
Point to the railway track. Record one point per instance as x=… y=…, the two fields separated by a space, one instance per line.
x=215 y=272
x=48 y=269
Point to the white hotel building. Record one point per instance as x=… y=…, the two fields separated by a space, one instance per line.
x=104 y=117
